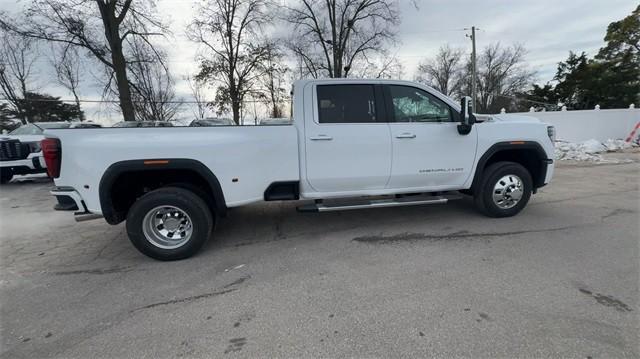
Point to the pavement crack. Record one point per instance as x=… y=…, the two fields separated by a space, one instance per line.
x=186 y=299
x=237 y=281
x=97 y=271
x=607 y=300
x=408 y=236
x=225 y=289
x=617 y=212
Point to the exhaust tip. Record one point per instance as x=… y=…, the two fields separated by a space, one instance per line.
x=82 y=217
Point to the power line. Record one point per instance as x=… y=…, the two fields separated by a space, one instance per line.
x=133 y=101
x=525 y=99
x=208 y=102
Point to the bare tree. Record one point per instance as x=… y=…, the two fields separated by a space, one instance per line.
x=153 y=94
x=18 y=55
x=229 y=32
x=444 y=72
x=273 y=81
x=502 y=73
x=101 y=27
x=197 y=92
x=332 y=36
x=66 y=63
x=381 y=67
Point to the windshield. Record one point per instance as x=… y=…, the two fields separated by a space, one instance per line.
x=29 y=129
x=54 y=125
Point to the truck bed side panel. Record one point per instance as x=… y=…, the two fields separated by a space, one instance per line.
x=255 y=156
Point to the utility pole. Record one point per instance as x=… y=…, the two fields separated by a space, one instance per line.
x=473 y=67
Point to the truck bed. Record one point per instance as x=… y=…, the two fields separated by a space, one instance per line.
x=245 y=159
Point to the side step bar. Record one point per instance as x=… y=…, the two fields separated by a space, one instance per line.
x=320 y=206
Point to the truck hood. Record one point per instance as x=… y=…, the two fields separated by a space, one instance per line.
x=23 y=138
x=512 y=118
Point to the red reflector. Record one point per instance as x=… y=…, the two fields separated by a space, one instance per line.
x=52 y=152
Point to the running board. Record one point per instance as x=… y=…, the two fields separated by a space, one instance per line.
x=377 y=203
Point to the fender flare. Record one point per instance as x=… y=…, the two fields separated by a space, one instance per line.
x=513 y=145
x=116 y=169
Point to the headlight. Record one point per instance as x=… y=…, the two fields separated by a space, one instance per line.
x=551 y=131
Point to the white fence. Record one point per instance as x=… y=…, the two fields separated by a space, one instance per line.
x=582 y=125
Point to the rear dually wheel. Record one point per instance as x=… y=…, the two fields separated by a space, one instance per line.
x=169 y=223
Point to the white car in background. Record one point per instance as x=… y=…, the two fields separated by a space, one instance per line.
x=133 y=124
x=275 y=121
x=20 y=151
x=212 y=121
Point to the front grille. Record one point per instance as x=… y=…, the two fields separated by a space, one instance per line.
x=11 y=150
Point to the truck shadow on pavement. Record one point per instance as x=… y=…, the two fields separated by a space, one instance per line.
x=29 y=180
x=264 y=223
x=67 y=247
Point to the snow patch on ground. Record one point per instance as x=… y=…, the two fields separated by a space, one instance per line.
x=590 y=150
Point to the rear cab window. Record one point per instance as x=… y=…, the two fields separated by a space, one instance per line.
x=348 y=103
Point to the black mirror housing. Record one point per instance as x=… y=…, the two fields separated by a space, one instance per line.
x=467 y=119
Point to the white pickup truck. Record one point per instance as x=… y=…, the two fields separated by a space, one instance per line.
x=351 y=144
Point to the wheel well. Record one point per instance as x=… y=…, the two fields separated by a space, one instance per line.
x=123 y=183
x=129 y=186
x=532 y=158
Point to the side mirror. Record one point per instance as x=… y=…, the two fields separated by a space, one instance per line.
x=467 y=119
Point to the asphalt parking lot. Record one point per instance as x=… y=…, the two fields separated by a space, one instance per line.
x=559 y=280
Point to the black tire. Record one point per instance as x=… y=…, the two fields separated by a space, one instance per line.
x=188 y=202
x=6 y=174
x=483 y=195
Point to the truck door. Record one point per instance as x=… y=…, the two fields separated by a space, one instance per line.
x=428 y=151
x=348 y=143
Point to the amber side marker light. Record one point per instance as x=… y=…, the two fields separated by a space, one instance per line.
x=517 y=142
x=156 y=162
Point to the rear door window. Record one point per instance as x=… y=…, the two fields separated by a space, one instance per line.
x=346 y=104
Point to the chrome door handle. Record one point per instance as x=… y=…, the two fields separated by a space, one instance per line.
x=406 y=135
x=321 y=138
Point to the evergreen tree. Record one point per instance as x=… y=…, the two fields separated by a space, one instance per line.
x=611 y=79
x=45 y=108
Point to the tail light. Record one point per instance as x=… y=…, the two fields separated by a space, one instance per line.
x=52 y=152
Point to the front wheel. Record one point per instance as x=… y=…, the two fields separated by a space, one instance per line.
x=169 y=223
x=504 y=190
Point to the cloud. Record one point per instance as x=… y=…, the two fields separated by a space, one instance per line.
x=549 y=29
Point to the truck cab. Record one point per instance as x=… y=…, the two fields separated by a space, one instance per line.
x=351 y=144
x=376 y=138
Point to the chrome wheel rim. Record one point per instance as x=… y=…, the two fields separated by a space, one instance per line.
x=508 y=191
x=167 y=227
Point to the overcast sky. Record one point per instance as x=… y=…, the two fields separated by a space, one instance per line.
x=548 y=29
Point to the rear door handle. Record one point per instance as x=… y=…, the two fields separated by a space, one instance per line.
x=321 y=138
x=406 y=135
